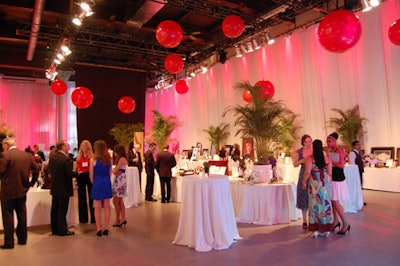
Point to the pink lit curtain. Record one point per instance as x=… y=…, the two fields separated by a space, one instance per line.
x=309 y=79
x=36 y=115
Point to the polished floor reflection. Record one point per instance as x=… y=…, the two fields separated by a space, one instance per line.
x=146 y=240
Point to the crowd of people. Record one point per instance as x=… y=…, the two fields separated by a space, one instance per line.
x=321 y=185
x=20 y=170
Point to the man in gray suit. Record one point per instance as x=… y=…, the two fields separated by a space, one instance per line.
x=60 y=168
x=165 y=161
x=15 y=167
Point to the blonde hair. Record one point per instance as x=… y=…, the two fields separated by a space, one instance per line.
x=85 y=143
x=101 y=152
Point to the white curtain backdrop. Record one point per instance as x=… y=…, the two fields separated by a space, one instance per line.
x=309 y=79
x=35 y=114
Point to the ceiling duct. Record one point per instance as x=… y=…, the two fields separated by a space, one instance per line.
x=36 y=20
x=145 y=13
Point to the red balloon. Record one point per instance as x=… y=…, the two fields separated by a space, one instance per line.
x=394 y=32
x=247 y=97
x=169 y=33
x=232 y=26
x=173 y=63
x=126 y=104
x=181 y=87
x=267 y=89
x=82 y=97
x=339 y=31
x=58 y=87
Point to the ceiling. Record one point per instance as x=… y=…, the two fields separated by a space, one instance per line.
x=121 y=33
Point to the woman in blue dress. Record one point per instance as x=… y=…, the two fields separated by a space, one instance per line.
x=317 y=178
x=100 y=173
x=299 y=158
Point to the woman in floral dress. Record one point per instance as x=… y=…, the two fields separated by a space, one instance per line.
x=317 y=178
x=119 y=185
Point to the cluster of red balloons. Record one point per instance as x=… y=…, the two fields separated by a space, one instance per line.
x=58 y=87
x=169 y=33
x=267 y=91
x=173 y=63
x=394 y=32
x=126 y=104
x=181 y=86
x=232 y=26
x=339 y=31
x=82 y=97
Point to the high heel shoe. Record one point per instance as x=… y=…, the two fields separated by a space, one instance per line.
x=98 y=233
x=345 y=231
x=336 y=225
x=105 y=232
x=116 y=225
x=121 y=224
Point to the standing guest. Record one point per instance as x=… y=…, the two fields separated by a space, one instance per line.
x=355 y=157
x=165 y=161
x=222 y=153
x=15 y=166
x=235 y=152
x=85 y=153
x=317 y=175
x=339 y=189
x=149 y=166
x=135 y=159
x=119 y=185
x=299 y=157
x=60 y=168
x=38 y=152
x=100 y=175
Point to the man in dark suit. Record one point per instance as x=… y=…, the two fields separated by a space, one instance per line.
x=60 y=168
x=15 y=167
x=149 y=166
x=165 y=161
x=355 y=157
x=135 y=159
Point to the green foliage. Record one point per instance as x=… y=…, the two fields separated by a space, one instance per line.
x=5 y=130
x=217 y=134
x=124 y=133
x=349 y=125
x=270 y=123
x=162 y=128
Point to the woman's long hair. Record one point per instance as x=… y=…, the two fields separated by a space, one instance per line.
x=85 y=143
x=318 y=154
x=101 y=152
x=120 y=151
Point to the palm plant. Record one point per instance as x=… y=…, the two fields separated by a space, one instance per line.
x=217 y=134
x=124 y=133
x=349 y=125
x=270 y=123
x=162 y=128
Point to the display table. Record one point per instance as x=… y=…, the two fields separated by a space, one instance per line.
x=207 y=220
x=385 y=179
x=265 y=204
x=355 y=202
x=38 y=208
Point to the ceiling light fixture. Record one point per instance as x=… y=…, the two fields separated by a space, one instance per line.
x=86 y=11
x=374 y=3
x=365 y=6
x=249 y=47
x=238 y=52
x=269 y=38
x=255 y=44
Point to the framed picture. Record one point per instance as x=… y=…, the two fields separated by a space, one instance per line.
x=382 y=151
x=206 y=152
x=248 y=147
x=185 y=154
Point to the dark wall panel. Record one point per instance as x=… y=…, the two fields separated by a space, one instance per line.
x=108 y=86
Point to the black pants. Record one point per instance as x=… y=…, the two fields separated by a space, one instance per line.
x=84 y=192
x=59 y=209
x=7 y=211
x=165 y=182
x=149 y=186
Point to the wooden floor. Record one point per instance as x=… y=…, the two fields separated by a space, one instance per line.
x=146 y=240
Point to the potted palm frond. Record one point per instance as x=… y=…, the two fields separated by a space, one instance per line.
x=162 y=128
x=269 y=122
x=349 y=125
x=124 y=133
x=5 y=130
x=217 y=134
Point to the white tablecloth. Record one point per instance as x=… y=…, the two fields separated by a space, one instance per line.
x=134 y=196
x=176 y=188
x=265 y=204
x=38 y=208
x=355 y=202
x=385 y=179
x=207 y=220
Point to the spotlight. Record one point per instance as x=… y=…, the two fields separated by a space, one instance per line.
x=255 y=44
x=243 y=49
x=365 y=6
x=238 y=52
x=192 y=74
x=269 y=38
x=374 y=3
x=249 y=47
x=204 y=69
